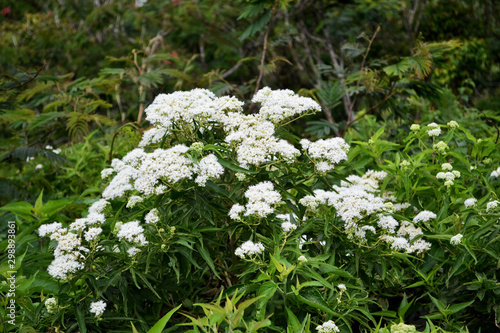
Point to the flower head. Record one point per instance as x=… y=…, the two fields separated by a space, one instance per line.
x=424 y=216
x=97 y=308
x=249 y=249
x=328 y=327
x=470 y=202
x=457 y=239
x=434 y=130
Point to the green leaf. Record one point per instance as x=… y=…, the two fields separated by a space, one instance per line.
x=231 y=166
x=256 y=26
x=39 y=202
x=160 y=325
x=293 y=320
x=206 y=256
x=313 y=298
x=397 y=69
x=53 y=206
x=460 y=306
x=438 y=304
x=18 y=208
x=266 y=291
x=80 y=318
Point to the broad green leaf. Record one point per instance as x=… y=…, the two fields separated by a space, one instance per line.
x=266 y=291
x=20 y=208
x=53 y=206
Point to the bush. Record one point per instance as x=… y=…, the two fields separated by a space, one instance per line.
x=221 y=213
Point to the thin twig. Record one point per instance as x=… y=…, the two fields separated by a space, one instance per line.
x=362 y=68
x=262 y=59
x=21 y=84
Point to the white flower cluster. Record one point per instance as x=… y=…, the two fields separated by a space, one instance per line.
x=152 y=216
x=134 y=200
x=249 y=249
x=287 y=226
x=328 y=327
x=434 y=130
x=424 y=216
x=132 y=232
x=182 y=108
x=280 y=104
x=415 y=127
x=209 y=168
x=51 y=305
x=441 y=147
x=388 y=223
x=70 y=252
x=492 y=205
x=261 y=198
x=359 y=197
x=97 y=308
x=457 y=239
x=55 y=151
x=448 y=176
x=495 y=173
x=326 y=153
x=47 y=229
x=152 y=136
x=471 y=202
x=254 y=140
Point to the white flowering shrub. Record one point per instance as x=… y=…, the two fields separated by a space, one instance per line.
x=327 y=233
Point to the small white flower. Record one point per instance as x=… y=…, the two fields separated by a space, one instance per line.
x=452 y=124
x=38 y=167
x=288 y=226
x=97 y=308
x=107 y=172
x=435 y=131
x=457 y=239
x=415 y=127
x=424 y=216
x=446 y=167
x=441 y=147
x=492 y=205
x=51 y=305
x=495 y=173
x=328 y=327
x=235 y=211
x=152 y=216
x=48 y=229
x=302 y=259
x=240 y=176
x=92 y=234
x=134 y=200
x=133 y=251
x=470 y=202
x=342 y=287
x=249 y=248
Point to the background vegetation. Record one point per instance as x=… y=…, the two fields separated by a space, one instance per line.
x=77 y=75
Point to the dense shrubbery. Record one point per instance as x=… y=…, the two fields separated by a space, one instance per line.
x=221 y=204
x=366 y=202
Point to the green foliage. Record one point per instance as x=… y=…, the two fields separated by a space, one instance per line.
x=76 y=74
